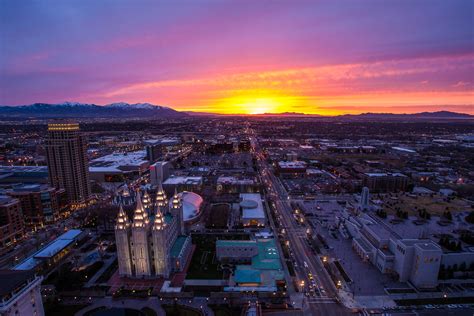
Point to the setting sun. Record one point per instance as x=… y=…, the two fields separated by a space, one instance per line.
x=250 y=104
x=260 y=106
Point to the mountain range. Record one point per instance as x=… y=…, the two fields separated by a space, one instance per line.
x=85 y=110
x=147 y=110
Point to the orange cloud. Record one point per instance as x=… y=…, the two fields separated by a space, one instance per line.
x=333 y=89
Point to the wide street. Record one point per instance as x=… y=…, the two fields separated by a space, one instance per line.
x=308 y=265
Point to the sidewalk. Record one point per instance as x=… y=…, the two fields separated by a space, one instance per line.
x=108 y=302
x=107 y=264
x=370 y=301
x=198 y=303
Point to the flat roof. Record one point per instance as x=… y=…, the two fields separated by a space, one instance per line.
x=234 y=180
x=385 y=174
x=49 y=250
x=363 y=244
x=427 y=245
x=28 y=264
x=245 y=274
x=70 y=234
x=235 y=243
x=114 y=161
x=292 y=164
x=24 y=169
x=252 y=212
x=268 y=257
x=12 y=280
x=173 y=180
x=53 y=248
x=177 y=246
x=404 y=149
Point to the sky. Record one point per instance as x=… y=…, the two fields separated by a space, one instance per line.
x=319 y=57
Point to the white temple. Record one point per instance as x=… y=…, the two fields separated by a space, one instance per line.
x=154 y=244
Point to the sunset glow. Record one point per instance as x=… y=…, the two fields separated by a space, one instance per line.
x=243 y=57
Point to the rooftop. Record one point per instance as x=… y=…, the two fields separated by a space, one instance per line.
x=252 y=206
x=245 y=274
x=235 y=243
x=265 y=268
x=114 y=161
x=49 y=250
x=234 y=180
x=177 y=246
x=174 y=180
x=291 y=164
x=12 y=280
x=384 y=174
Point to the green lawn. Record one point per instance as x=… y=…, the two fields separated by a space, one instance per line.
x=204 y=265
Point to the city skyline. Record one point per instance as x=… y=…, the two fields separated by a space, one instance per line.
x=242 y=57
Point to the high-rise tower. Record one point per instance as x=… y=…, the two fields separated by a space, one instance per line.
x=364 y=199
x=68 y=167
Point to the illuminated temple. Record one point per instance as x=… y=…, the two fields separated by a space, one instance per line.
x=153 y=243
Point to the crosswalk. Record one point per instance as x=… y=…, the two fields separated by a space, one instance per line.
x=320 y=300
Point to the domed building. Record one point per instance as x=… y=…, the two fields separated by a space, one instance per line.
x=191 y=204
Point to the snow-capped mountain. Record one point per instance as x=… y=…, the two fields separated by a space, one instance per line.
x=76 y=109
x=134 y=105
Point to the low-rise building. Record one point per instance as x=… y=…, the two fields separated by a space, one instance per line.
x=260 y=268
x=412 y=260
x=236 y=250
x=182 y=183
x=52 y=253
x=23 y=174
x=385 y=182
x=118 y=167
x=228 y=184
x=40 y=204
x=253 y=214
x=290 y=168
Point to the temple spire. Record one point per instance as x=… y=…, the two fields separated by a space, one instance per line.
x=159 y=222
x=122 y=219
x=140 y=216
x=161 y=196
x=146 y=201
x=176 y=203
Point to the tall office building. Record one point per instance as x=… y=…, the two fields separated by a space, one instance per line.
x=67 y=161
x=364 y=199
x=159 y=172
